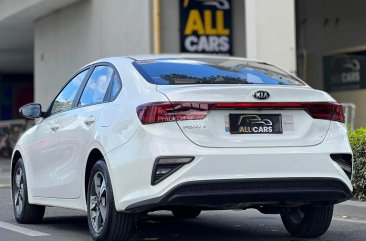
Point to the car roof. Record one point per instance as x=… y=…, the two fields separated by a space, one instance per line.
x=183 y=56
x=173 y=56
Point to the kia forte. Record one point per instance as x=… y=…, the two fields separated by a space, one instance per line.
x=127 y=136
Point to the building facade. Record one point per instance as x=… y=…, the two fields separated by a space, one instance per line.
x=43 y=42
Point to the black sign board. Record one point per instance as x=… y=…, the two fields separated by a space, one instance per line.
x=344 y=71
x=205 y=26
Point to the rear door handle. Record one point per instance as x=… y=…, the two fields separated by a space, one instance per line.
x=55 y=127
x=89 y=121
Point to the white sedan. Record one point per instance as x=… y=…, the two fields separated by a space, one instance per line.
x=186 y=133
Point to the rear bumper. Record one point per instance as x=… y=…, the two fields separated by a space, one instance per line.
x=236 y=193
x=131 y=167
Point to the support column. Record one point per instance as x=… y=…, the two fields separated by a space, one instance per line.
x=270 y=32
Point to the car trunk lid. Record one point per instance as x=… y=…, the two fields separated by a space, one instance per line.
x=237 y=119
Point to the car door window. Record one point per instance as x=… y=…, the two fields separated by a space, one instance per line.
x=96 y=88
x=64 y=100
x=116 y=87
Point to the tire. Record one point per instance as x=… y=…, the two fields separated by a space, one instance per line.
x=186 y=212
x=105 y=223
x=307 y=221
x=23 y=211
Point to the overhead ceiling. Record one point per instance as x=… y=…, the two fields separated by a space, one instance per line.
x=16 y=31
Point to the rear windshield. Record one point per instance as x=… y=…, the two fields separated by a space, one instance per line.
x=189 y=71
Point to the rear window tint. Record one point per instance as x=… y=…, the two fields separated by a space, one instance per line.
x=189 y=71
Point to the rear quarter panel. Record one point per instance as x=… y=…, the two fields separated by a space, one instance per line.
x=119 y=121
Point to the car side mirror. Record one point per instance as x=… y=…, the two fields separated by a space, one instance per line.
x=31 y=111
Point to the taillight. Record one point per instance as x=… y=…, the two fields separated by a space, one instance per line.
x=158 y=112
x=318 y=110
x=327 y=111
x=165 y=111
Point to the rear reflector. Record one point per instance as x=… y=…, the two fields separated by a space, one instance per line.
x=165 y=166
x=345 y=162
x=158 y=112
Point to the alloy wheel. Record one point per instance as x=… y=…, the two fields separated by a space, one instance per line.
x=98 y=202
x=19 y=191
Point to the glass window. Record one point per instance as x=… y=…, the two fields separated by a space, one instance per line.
x=117 y=85
x=64 y=100
x=188 y=71
x=97 y=86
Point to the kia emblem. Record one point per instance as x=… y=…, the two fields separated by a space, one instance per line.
x=261 y=95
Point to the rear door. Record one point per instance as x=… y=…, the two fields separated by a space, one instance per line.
x=253 y=126
x=79 y=128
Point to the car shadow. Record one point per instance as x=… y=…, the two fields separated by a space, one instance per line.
x=165 y=227
x=70 y=223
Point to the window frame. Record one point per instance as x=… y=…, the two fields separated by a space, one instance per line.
x=48 y=112
x=90 y=69
x=107 y=92
x=111 y=98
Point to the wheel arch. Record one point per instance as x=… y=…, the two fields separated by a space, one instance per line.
x=14 y=159
x=94 y=155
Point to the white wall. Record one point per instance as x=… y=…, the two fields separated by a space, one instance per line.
x=71 y=37
x=270 y=32
x=16 y=31
x=169 y=24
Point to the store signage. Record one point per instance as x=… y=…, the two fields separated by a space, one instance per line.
x=205 y=26
x=344 y=71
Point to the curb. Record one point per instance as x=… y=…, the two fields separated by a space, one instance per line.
x=352 y=203
x=355 y=210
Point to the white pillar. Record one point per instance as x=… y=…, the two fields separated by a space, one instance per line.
x=251 y=28
x=270 y=32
